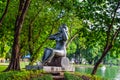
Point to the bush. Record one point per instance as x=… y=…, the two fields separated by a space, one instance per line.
x=69 y=76
x=25 y=75
x=78 y=76
x=7 y=75
x=39 y=75
x=44 y=77
x=19 y=75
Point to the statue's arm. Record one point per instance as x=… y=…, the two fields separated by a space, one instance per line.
x=53 y=37
x=65 y=36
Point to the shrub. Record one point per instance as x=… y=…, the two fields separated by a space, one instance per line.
x=7 y=75
x=69 y=76
x=44 y=77
x=19 y=75
x=25 y=75
x=78 y=76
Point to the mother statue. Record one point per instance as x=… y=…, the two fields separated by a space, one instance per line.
x=60 y=50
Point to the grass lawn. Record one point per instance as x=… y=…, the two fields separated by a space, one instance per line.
x=3 y=66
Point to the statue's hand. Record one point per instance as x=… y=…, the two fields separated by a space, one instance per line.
x=58 y=39
x=63 y=30
x=51 y=37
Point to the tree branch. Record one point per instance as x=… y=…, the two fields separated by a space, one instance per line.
x=111 y=25
x=71 y=39
x=30 y=40
x=5 y=12
x=115 y=35
x=44 y=41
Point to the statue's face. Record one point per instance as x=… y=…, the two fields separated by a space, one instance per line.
x=66 y=28
x=62 y=28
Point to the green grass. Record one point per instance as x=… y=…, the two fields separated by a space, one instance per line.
x=44 y=77
x=23 y=64
x=2 y=67
x=21 y=75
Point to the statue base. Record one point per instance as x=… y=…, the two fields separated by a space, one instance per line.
x=59 y=62
x=54 y=69
x=51 y=69
x=33 y=67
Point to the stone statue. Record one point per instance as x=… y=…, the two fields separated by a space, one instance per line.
x=60 y=50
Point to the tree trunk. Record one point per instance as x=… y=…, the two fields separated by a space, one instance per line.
x=107 y=48
x=15 y=62
x=30 y=41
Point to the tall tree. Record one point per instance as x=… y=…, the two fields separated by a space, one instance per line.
x=110 y=39
x=14 y=62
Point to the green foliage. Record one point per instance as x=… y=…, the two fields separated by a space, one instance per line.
x=6 y=75
x=69 y=76
x=25 y=75
x=78 y=76
x=71 y=48
x=19 y=75
x=44 y=77
x=4 y=49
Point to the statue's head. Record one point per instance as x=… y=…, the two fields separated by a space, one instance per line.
x=63 y=26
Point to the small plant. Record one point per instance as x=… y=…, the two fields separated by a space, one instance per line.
x=19 y=75
x=44 y=77
x=69 y=76
x=78 y=76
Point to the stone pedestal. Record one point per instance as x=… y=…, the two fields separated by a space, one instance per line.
x=33 y=67
x=58 y=66
x=58 y=69
x=50 y=69
x=59 y=62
